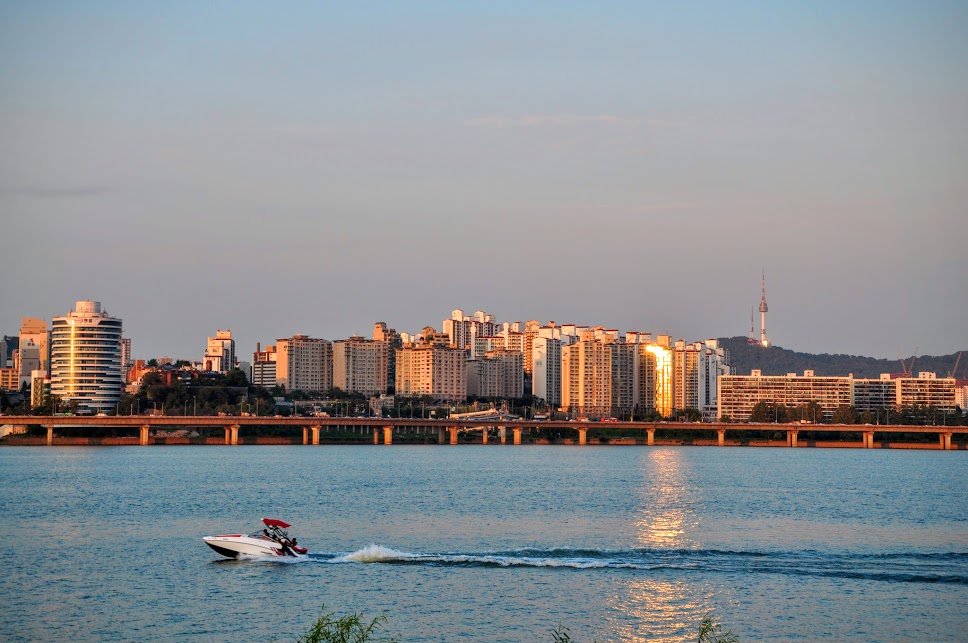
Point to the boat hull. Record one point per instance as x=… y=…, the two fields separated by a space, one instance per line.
x=234 y=546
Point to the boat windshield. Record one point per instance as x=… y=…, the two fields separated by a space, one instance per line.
x=257 y=534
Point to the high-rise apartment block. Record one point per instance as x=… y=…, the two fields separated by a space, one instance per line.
x=125 y=357
x=497 y=374
x=360 y=366
x=304 y=363
x=220 y=352
x=546 y=370
x=431 y=370
x=393 y=340
x=597 y=375
x=8 y=346
x=462 y=329
x=85 y=358
x=264 y=366
x=35 y=335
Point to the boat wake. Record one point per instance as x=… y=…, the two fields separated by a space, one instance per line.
x=916 y=567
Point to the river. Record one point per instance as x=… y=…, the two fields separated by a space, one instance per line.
x=490 y=543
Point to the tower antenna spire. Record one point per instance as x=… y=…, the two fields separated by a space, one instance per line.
x=763 y=309
x=752 y=339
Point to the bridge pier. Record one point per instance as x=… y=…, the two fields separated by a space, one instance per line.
x=582 y=437
x=945 y=440
x=441 y=435
x=143 y=435
x=305 y=435
x=50 y=434
x=517 y=434
x=315 y=431
x=502 y=433
x=868 y=439
x=388 y=435
x=484 y=437
x=376 y=435
x=651 y=436
x=453 y=434
x=232 y=434
x=792 y=438
x=721 y=437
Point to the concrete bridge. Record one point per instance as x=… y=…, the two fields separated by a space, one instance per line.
x=449 y=429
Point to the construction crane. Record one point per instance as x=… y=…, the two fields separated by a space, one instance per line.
x=951 y=373
x=907 y=368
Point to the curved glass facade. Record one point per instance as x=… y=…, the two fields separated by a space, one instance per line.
x=85 y=358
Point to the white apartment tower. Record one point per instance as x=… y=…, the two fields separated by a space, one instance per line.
x=462 y=329
x=85 y=357
x=546 y=369
x=220 y=352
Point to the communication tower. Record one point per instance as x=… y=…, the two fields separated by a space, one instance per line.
x=763 y=309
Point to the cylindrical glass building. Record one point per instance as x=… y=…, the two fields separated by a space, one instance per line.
x=85 y=358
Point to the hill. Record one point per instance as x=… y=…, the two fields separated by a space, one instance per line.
x=776 y=360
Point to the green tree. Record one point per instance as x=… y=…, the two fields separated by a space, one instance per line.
x=845 y=415
x=765 y=412
x=236 y=377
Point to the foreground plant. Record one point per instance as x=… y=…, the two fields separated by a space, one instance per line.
x=710 y=632
x=351 y=628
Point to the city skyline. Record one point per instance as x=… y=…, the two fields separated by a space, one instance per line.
x=310 y=169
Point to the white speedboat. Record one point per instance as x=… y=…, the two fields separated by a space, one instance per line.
x=274 y=540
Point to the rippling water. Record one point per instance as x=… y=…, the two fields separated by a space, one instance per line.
x=492 y=543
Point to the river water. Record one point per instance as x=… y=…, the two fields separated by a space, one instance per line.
x=489 y=543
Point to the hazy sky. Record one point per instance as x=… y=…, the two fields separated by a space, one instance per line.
x=274 y=168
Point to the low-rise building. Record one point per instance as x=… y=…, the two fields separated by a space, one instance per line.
x=738 y=394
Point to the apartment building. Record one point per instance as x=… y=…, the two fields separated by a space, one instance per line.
x=462 y=329
x=85 y=357
x=360 y=366
x=304 y=363
x=546 y=370
x=264 y=366
x=393 y=341
x=498 y=374
x=927 y=390
x=598 y=375
x=434 y=371
x=738 y=394
x=220 y=352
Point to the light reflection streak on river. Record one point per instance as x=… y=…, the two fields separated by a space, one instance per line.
x=661 y=610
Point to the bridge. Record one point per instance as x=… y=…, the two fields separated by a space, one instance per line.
x=449 y=429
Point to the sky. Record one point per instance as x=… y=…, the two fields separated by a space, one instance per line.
x=311 y=167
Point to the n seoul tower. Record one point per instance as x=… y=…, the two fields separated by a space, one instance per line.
x=763 y=308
